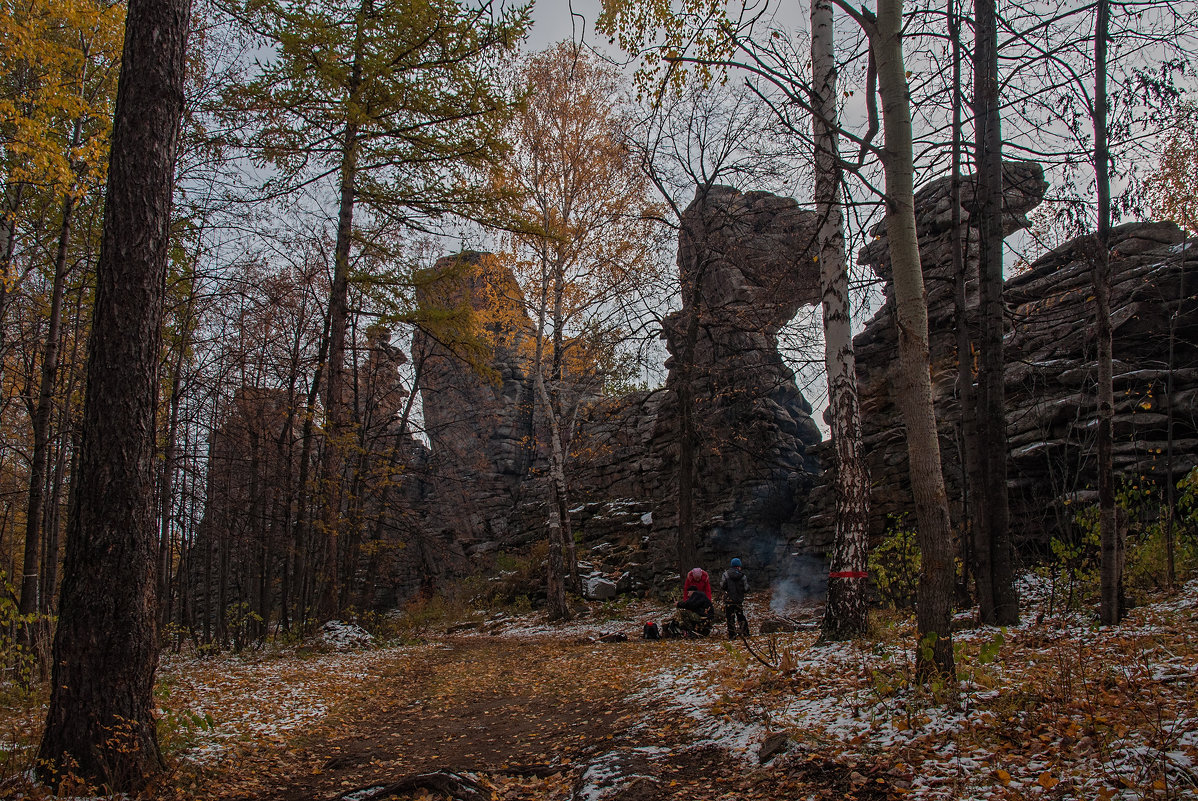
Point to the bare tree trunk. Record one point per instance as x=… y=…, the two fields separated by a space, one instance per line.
x=53 y=524
x=100 y=723
x=1111 y=542
x=304 y=577
x=845 y=615
x=914 y=390
x=166 y=500
x=556 y=579
x=970 y=456
x=685 y=544
x=41 y=416
x=557 y=465
x=991 y=526
x=1171 y=483
x=556 y=562
x=336 y=423
x=13 y=196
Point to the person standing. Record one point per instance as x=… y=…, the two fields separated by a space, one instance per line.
x=735 y=585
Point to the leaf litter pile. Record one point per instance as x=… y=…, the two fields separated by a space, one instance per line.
x=1056 y=708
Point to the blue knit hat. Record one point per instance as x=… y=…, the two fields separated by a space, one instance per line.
x=735 y=562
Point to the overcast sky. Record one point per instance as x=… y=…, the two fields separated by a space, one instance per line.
x=552 y=22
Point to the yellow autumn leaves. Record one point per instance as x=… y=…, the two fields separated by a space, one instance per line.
x=60 y=60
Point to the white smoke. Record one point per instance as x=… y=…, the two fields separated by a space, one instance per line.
x=804 y=578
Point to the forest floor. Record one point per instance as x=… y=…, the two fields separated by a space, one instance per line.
x=1056 y=708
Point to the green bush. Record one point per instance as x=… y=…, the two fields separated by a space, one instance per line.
x=894 y=566
x=1143 y=518
x=1149 y=529
x=18 y=660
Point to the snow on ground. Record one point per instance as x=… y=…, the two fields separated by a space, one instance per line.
x=342 y=636
x=222 y=700
x=627 y=618
x=861 y=699
x=1122 y=710
x=695 y=691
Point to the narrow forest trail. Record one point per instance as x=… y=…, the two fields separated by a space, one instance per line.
x=540 y=718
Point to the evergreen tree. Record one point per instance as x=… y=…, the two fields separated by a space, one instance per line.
x=402 y=105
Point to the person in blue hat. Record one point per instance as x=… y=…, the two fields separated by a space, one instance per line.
x=735 y=585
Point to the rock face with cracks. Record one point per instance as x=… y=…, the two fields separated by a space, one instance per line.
x=763 y=480
x=1050 y=369
x=476 y=396
x=747 y=264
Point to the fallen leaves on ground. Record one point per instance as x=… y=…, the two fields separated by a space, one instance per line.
x=1055 y=708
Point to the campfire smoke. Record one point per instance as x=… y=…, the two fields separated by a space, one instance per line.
x=805 y=578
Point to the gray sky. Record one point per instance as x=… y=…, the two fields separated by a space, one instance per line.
x=552 y=22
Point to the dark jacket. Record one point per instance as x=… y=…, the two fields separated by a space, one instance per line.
x=697 y=602
x=735 y=585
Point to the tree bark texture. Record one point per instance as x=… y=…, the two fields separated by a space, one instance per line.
x=335 y=407
x=685 y=541
x=100 y=723
x=1110 y=541
x=8 y=243
x=968 y=435
x=558 y=531
x=991 y=529
x=845 y=612
x=914 y=392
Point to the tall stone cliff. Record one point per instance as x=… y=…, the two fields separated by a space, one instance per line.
x=746 y=260
x=1050 y=366
x=746 y=263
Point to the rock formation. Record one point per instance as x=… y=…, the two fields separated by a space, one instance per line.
x=746 y=265
x=746 y=262
x=1051 y=373
x=475 y=395
x=1050 y=369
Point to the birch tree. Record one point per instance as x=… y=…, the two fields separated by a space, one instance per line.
x=845 y=614
x=691 y=38
x=589 y=242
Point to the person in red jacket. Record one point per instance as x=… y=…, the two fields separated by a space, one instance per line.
x=697 y=579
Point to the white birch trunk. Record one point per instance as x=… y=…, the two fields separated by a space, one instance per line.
x=845 y=614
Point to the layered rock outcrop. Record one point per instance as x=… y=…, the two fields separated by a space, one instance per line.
x=876 y=349
x=746 y=261
x=1050 y=373
x=476 y=395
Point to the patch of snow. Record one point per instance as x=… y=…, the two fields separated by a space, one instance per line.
x=342 y=636
x=256 y=697
x=610 y=773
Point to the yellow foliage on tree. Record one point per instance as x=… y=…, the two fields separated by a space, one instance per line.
x=1173 y=188
x=60 y=60
x=587 y=241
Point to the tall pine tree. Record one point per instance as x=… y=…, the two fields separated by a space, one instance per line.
x=400 y=104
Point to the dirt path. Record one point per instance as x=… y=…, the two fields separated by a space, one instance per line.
x=538 y=719
x=478 y=704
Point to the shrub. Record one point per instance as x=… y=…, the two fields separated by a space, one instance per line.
x=894 y=566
